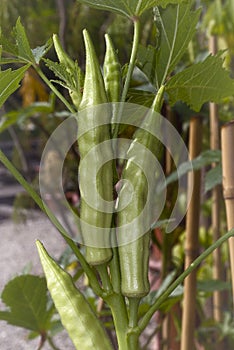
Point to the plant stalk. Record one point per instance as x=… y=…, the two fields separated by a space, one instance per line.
x=227 y=143
x=132 y=62
x=216 y=202
x=118 y=308
x=191 y=239
x=133 y=311
x=105 y=278
x=115 y=271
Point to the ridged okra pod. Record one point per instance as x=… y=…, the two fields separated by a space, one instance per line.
x=134 y=256
x=77 y=317
x=112 y=72
x=97 y=252
x=113 y=80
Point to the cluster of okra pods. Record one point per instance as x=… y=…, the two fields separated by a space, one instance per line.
x=128 y=284
x=103 y=88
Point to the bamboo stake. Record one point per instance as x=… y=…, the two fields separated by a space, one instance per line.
x=227 y=142
x=191 y=240
x=169 y=331
x=216 y=203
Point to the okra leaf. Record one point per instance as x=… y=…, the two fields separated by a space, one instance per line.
x=176 y=25
x=9 y=82
x=164 y=3
x=26 y=297
x=141 y=97
x=20 y=49
x=76 y=315
x=211 y=285
x=60 y=70
x=129 y=8
x=20 y=115
x=205 y=158
x=213 y=177
x=10 y=48
x=200 y=83
x=146 y=60
x=24 y=50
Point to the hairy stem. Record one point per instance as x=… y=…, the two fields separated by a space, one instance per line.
x=132 y=62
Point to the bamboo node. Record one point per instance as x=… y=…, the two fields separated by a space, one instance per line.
x=228 y=193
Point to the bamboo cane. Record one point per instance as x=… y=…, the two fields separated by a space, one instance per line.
x=227 y=143
x=169 y=330
x=191 y=240
x=216 y=203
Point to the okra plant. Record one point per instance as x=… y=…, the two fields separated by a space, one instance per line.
x=117 y=262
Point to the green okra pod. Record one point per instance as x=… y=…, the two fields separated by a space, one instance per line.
x=112 y=72
x=93 y=95
x=134 y=256
x=113 y=81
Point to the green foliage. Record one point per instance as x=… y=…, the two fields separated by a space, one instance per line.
x=213 y=177
x=20 y=51
x=205 y=158
x=9 y=82
x=209 y=286
x=20 y=115
x=129 y=8
x=22 y=43
x=200 y=83
x=60 y=70
x=26 y=296
x=176 y=26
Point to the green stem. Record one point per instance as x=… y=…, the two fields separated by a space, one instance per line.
x=133 y=341
x=87 y=269
x=105 y=278
x=53 y=346
x=118 y=308
x=115 y=271
x=132 y=62
x=158 y=100
x=133 y=338
x=53 y=88
x=133 y=311
x=146 y=318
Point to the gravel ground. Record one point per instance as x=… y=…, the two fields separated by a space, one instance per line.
x=17 y=251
